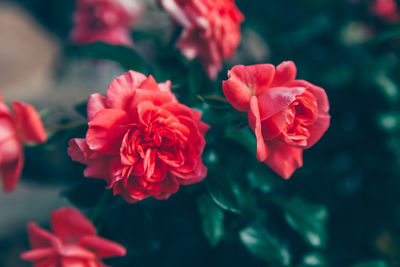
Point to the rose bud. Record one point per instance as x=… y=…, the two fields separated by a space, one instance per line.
x=286 y=115
x=211 y=30
x=141 y=140
x=23 y=125
x=72 y=242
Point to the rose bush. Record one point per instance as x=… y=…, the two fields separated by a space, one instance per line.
x=23 y=125
x=211 y=30
x=286 y=115
x=104 y=20
x=73 y=242
x=141 y=140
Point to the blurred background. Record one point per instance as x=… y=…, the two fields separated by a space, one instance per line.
x=353 y=171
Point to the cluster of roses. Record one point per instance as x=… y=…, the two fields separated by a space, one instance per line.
x=143 y=142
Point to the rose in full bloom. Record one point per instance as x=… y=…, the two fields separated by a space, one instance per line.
x=73 y=242
x=108 y=21
x=141 y=140
x=286 y=115
x=211 y=30
x=386 y=9
x=23 y=125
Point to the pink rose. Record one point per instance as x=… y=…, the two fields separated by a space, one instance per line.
x=286 y=115
x=104 y=20
x=24 y=125
x=211 y=30
x=141 y=140
x=386 y=9
x=72 y=243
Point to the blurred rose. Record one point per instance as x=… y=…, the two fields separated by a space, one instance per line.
x=211 y=30
x=141 y=140
x=286 y=115
x=24 y=125
x=105 y=20
x=73 y=242
x=386 y=9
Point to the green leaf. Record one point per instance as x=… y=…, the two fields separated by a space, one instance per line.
x=374 y=263
x=212 y=220
x=125 y=56
x=308 y=220
x=262 y=179
x=313 y=259
x=244 y=137
x=222 y=193
x=264 y=246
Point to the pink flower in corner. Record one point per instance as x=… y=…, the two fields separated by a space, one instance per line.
x=386 y=9
x=72 y=243
x=108 y=21
x=211 y=30
x=141 y=140
x=286 y=115
x=24 y=125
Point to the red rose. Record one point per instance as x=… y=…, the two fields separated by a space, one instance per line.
x=141 y=140
x=104 y=20
x=386 y=9
x=73 y=242
x=286 y=115
x=24 y=125
x=211 y=30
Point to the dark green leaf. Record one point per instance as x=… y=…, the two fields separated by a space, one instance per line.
x=244 y=137
x=309 y=220
x=212 y=220
x=85 y=194
x=125 y=56
x=264 y=246
x=375 y=263
x=222 y=192
x=262 y=179
x=81 y=108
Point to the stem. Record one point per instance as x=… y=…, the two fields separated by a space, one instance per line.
x=69 y=125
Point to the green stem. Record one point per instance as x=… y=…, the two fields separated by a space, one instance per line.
x=67 y=126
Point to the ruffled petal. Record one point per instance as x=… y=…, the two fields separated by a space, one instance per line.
x=40 y=238
x=105 y=129
x=121 y=91
x=29 y=122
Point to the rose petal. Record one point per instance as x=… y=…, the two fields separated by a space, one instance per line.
x=255 y=124
x=10 y=173
x=121 y=91
x=79 y=150
x=246 y=81
x=103 y=248
x=70 y=225
x=276 y=99
x=284 y=159
x=40 y=238
x=105 y=130
x=285 y=72
x=95 y=103
x=39 y=254
x=29 y=122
